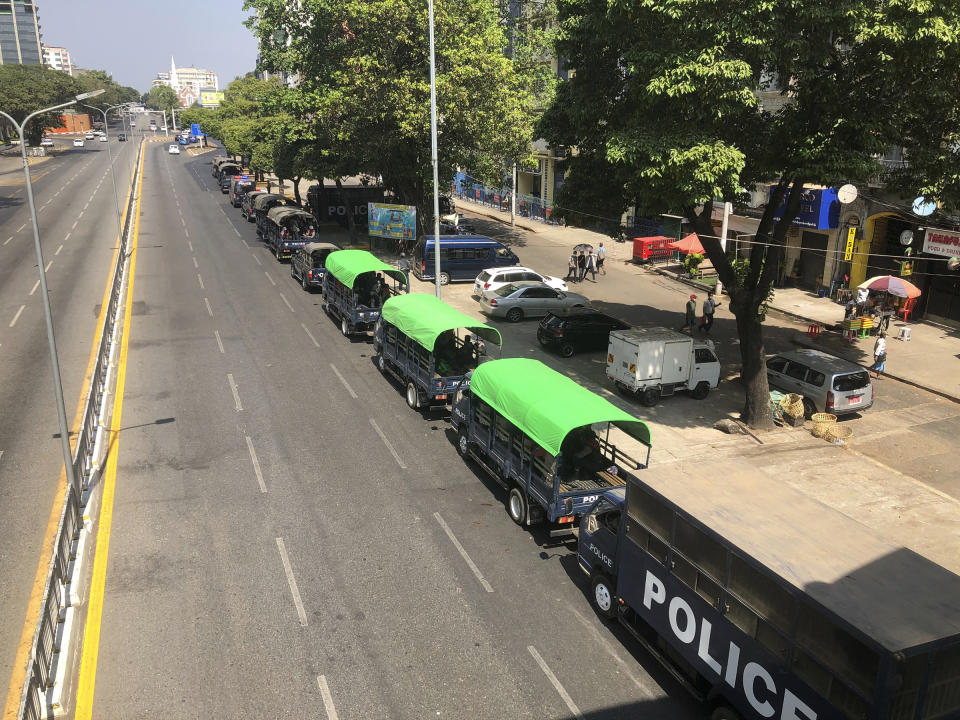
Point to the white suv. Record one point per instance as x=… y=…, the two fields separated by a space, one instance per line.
x=495 y=278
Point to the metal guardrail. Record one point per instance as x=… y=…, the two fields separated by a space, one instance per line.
x=529 y=206
x=55 y=593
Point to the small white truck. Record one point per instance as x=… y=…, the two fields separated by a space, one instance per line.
x=652 y=362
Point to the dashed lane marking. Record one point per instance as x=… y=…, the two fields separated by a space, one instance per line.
x=236 y=393
x=463 y=553
x=327 y=698
x=206 y=302
x=272 y=281
x=386 y=441
x=58 y=249
x=561 y=690
x=287 y=302
x=17 y=316
x=292 y=582
x=343 y=380
x=219 y=341
x=310 y=335
x=35 y=286
x=256 y=465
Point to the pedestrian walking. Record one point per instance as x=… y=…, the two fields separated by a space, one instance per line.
x=879 y=353
x=709 y=308
x=601 y=256
x=581 y=266
x=572 y=269
x=592 y=265
x=690 y=314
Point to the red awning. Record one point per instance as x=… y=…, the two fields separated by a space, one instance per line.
x=689 y=244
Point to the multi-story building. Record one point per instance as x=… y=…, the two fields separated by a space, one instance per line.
x=19 y=33
x=58 y=58
x=186 y=78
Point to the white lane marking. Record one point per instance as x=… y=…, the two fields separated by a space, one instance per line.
x=200 y=280
x=286 y=302
x=327 y=698
x=74 y=226
x=219 y=341
x=186 y=232
x=8 y=240
x=17 y=316
x=236 y=393
x=256 y=465
x=67 y=237
x=344 y=381
x=58 y=250
x=257 y=259
x=20 y=229
x=190 y=245
x=206 y=302
x=47 y=268
x=80 y=216
x=196 y=264
x=237 y=232
x=463 y=553
x=292 y=582
x=85 y=207
x=91 y=198
x=386 y=441
x=184 y=222
x=310 y=335
x=571 y=706
x=272 y=281
x=35 y=286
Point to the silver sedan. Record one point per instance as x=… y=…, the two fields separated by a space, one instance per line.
x=519 y=300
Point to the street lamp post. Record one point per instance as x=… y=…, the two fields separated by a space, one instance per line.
x=51 y=340
x=116 y=201
x=433 y=154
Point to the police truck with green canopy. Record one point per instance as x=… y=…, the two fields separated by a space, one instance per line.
x=536 y=432
x=418 y=344
x=766 y=603
x=355 y=287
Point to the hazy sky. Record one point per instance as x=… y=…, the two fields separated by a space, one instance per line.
x=134 y=39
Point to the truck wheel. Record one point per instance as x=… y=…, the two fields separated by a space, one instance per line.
x=650 y=396
x=701 y=390
x=444 y=278
x=725 y=712
x=292 y=273
x=381 y=365
x=413 y=397
x=463 y=445
x=303 y=283
x=345 y=327
x=278 y=253
x=517 y=506
x=514 y=315
x=808 y=408
x=566 y=350
x=602 y=596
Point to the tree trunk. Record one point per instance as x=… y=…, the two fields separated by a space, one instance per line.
x=296 y=191
x=756 y=405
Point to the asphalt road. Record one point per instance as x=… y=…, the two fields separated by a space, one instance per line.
x=289 y=536
x=76 y=213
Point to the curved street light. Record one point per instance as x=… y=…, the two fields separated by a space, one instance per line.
x=51 y=340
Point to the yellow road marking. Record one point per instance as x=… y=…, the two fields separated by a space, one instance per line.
x=19 y=674
x=91 y=632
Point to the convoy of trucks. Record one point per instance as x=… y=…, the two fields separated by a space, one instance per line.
x=757 y=599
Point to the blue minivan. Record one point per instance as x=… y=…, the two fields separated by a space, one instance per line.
x=462 y=257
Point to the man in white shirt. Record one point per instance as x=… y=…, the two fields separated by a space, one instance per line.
x=879 y=353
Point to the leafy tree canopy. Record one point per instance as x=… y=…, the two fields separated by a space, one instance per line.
x=163 y=98
x=27 y=88
x=676 y=103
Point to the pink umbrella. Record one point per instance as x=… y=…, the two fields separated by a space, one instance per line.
x=891 y=284
x=689 y=244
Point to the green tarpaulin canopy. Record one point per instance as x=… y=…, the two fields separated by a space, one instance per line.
x=423 y=317
x=260 y=201
x=545 y=404
x=346 y=265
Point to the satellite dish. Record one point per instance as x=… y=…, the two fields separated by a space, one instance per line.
x=906 y=237
x=923 y=207
x=847 y=194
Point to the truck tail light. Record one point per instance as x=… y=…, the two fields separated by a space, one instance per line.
x=423 y=266
x=830 y=401
x=565 y=519
x=309 y=274
x=558 y=332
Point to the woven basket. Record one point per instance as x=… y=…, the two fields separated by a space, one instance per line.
x=822 y=422
x=839 y=434
x=792 y=404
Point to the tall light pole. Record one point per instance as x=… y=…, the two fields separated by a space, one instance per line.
x=51 y=340
x=433 y=154
x=116 y=201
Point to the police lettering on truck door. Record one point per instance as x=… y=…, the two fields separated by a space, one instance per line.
x=758 y=684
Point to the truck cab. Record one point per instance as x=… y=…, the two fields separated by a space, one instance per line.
x=598 y=543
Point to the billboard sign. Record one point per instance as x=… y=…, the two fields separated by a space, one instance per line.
x=941 y=242
x=211 y=98
x=819 y=208
x=396 y=222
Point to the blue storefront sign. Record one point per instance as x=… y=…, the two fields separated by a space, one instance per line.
x=819 y=208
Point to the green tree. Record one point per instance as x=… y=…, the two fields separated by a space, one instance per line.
x=163 y=98
x=207 y=118
x=665 y=111
x=365 y=87
x=27 y=88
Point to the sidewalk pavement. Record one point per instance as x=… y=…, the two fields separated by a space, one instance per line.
x=925 y=360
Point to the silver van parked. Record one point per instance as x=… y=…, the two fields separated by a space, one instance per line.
x=826 y=382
